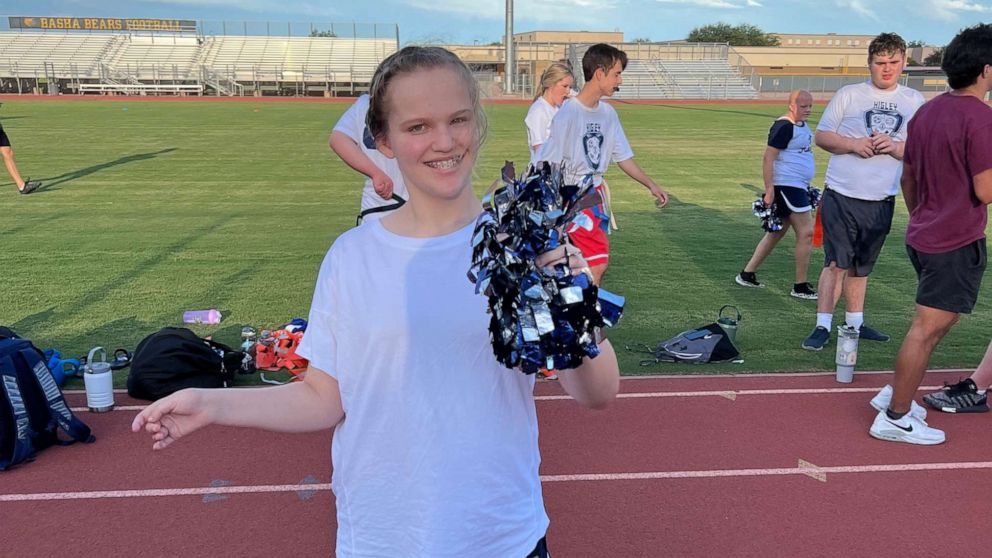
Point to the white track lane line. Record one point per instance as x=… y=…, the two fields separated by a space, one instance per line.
x=704 y=376
x=598 y=477
x=733 y=392
x=656 y=394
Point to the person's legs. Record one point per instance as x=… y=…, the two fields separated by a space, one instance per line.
x=8 y=161
x=831 y=281
x=765 y=247
x=839 y=238
x=874 y=221
x=930 y=325
x=951 y=281
x=983 y=374
x=802 y=224
x=854 y=293
x=898 y=423
x=597 y=273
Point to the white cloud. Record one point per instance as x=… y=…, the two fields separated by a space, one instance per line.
x=858 y=7
x=949 y=10
x=720 y=4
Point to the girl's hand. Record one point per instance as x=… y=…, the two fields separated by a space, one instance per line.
x=173 y=417
x=565 y=254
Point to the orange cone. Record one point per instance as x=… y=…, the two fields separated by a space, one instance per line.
x=817 y=230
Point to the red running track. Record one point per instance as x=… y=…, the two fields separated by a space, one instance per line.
x=702 y=466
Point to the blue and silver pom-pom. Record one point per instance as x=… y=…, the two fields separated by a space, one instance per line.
x=814 y=196
x=540 y=317
x=770 y=221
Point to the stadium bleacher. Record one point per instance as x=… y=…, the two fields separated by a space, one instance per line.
x=703 y=79
x=163 y=63
x=26 y=54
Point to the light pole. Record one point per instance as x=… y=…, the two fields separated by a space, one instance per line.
x=508 y=62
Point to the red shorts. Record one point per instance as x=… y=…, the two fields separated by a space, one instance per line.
x=594 y=243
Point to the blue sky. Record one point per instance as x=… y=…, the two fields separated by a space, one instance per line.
x=468 y=21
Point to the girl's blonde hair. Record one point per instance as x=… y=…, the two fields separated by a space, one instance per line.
x=552 y=75
x=409 y=59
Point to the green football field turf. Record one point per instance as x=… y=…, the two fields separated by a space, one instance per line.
x=153 y=208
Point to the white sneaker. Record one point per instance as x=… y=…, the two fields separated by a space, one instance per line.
x=881 y=402
x=908 y=429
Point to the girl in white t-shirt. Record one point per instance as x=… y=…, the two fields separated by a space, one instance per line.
x=435 y=448
x=552 y=92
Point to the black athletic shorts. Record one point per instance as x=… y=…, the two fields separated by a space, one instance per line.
x=949 y=280
x=541 y=550
x=4 y=140
x=790 y=199
x=854 y=231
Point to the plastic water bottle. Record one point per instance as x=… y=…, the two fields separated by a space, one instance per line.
x=847 y=353
x=210 y=317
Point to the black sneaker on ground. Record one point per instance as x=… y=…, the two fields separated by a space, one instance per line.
x=962 y=397
x=870 y=334
x=803 y=291
x=816 y=340
x=748 y=279
x=30 y=186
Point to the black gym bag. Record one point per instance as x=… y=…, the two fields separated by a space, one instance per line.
x=174 y=358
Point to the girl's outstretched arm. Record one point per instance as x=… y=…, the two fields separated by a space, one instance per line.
x=596 y=381
x=311 y=405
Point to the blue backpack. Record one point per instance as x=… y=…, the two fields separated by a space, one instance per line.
x=32 y=408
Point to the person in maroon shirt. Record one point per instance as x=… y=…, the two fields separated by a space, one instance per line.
x=947 y=184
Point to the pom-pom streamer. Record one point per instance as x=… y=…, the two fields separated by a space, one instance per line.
x=540 y=317
x=770 y=221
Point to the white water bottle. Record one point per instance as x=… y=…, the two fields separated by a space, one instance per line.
x=847 y=353
x=99 y=382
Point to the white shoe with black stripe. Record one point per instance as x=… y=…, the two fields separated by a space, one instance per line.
x=907 y=429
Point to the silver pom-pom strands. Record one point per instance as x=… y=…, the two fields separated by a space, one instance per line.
x=770 y=221
x=541 y=317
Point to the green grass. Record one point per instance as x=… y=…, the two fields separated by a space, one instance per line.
x=154 y=208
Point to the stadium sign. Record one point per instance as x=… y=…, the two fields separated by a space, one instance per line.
x=102 y=24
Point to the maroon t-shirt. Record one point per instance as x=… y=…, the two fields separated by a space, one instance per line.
x=950 y=141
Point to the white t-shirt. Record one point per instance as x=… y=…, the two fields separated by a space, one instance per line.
x=437 y=455
x=855 y=111
x=794 y=166
x=538 y=121
x=352 y=124
x=587 y=140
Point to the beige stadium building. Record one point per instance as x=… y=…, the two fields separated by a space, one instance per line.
x=821 y=63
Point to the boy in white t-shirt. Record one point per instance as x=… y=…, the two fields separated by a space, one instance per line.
x=586 y=136
x=384 y=190
x=864 y=127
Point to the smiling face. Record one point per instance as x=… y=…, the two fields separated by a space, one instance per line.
x=885 y=68
x=557 y=94
x=431 y=132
